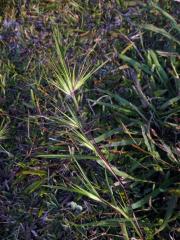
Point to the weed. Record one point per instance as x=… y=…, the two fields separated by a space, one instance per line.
x=89 y=137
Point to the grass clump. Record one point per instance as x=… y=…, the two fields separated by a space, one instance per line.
x=92 y=147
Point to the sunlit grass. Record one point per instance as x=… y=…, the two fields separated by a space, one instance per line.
x=95 y=146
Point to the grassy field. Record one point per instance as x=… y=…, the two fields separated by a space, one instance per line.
x=89 y=120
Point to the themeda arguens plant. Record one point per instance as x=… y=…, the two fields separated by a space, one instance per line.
x=69 y=80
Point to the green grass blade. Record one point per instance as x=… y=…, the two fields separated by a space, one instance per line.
x=152 y=28
x=135 y=64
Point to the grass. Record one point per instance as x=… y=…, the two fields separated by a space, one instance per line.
x=89 y=120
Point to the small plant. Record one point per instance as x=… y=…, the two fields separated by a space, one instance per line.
x=95 y=146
